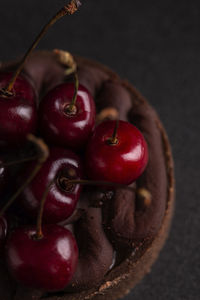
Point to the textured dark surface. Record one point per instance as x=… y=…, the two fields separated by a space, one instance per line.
x=156 y=45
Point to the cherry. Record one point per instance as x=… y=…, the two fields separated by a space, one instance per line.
x=17 y=105
x=3 y=176
x=64 y=124
x=47 y=263
x=62 y=198
x=116 y=155
x=3 y=231
x=17 y=110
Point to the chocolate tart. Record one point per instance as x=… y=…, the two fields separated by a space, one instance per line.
x=120 y=234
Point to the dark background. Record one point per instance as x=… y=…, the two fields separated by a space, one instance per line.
x=156 y=45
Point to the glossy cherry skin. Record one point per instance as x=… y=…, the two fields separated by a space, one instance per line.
x=60 y=128
x=3 y=176
x=17 y=112
x=3 y=232
x=48 y=263
x=121 y=163
x=59 y=203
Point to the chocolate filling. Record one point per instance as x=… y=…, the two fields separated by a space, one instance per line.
x=113 y=225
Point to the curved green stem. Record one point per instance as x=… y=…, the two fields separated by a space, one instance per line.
x=39 y=234
x=114 y=140
x=71 y=108
x=97 y=183
x=68 y=9
x=44 y=153
x=20 y=161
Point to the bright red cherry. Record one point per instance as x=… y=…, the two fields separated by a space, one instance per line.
x=61 y=200
x=122 y=159
x=17 y=111
x=62 y=126
x=3 y=232
x=47 y=263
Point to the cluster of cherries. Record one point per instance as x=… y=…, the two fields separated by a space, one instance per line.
x=114 y=152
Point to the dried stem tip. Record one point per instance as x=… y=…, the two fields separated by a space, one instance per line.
x=66 y=59
x=72 y=7
x=144 y=197
x=108 y=113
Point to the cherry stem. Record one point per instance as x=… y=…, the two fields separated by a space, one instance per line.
x=66 y=59
x=68 y=183
x=114 y=140
x=44 y=153
x=68 y=9
x=96 y=183
x=39 y=234
x=15 y=162
x=71 y=109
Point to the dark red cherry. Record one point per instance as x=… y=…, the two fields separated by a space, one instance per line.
x=48 y=263
x=3 y=176
x=17 y=103
x=122 y=161
x=64 y=128
x=3 y=232
x=61 y=200
x=17 y=111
